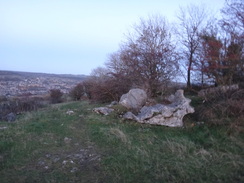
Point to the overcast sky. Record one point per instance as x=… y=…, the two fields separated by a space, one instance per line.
x=72 y=36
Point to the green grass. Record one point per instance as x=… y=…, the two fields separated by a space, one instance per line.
x=50 y=146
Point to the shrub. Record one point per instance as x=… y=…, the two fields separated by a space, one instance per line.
x=56 y=96
x=20 y=104
x=3 y=99
x=222 y=107
x=77 y=92
x=105 y=90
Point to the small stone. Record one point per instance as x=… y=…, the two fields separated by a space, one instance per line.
x=70 y=112
x=41 y=163
x=78 y=156
x=48 y=155
x=67 y=140
x=56 y=159
x=112 y=104
x=3 y=127
x=74 y=169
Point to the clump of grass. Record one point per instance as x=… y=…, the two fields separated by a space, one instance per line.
x=119 y=134
x=119 y=109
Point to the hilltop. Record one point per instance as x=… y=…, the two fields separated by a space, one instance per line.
x=14 y=83
x=51 y=145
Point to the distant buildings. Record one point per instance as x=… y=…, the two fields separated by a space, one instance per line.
x=19 y=83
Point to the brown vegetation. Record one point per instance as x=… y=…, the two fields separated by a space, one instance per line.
x=18 y=105
x=56 y=96
x=222 y=108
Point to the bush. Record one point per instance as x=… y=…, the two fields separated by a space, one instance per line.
x=222 y=107
x=56 y=96
x=77 y=92
x=19 y=105
x=105 y=90
x=3 y=99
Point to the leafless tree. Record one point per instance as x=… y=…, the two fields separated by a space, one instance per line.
x=233 y=18
x=147 y=58
x=232 y=23
x=192 y=20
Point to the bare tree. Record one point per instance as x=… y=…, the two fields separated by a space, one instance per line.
x=233 y=18
x=232 y=23
x=100 y=73
x=192 y=20
x=147 y=57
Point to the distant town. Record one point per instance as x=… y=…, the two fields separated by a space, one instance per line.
x=13 y=83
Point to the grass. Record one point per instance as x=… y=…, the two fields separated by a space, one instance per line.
x=51 y=146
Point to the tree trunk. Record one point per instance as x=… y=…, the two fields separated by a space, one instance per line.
x=189 y=73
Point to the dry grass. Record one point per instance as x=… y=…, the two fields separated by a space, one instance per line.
x=119 y=134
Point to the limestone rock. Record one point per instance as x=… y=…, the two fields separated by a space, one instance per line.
x=167 y=115
x=112 y=104
x=134 y=99
x=70 y=112
x=67 y=140
x=131 y=116
x=103 y=110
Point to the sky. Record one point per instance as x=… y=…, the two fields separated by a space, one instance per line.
x=73 y=36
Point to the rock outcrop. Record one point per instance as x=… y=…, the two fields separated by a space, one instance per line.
x=160 y=114
x=134 y=99
x=167 y=115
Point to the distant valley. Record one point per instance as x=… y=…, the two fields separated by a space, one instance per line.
x=14 y=83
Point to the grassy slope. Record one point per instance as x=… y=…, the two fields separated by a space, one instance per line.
x=51 y=146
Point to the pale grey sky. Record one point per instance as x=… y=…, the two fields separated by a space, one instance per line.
x=72 y=36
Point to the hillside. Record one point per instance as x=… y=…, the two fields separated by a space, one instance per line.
x=18 y=83
x=50 y=145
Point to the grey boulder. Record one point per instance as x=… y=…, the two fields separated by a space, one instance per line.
x=167 y=115
x=134 y=99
